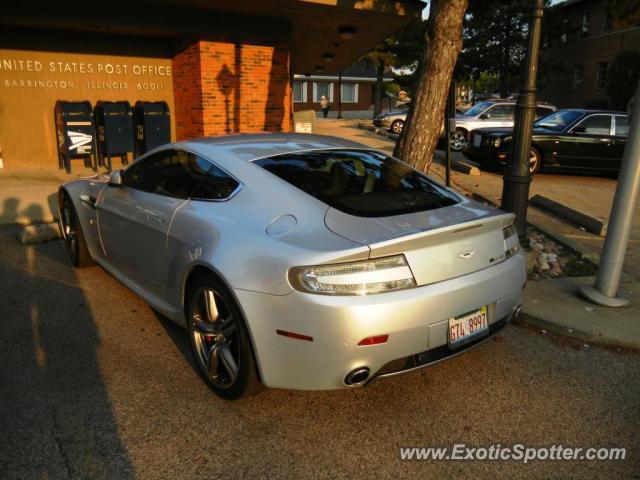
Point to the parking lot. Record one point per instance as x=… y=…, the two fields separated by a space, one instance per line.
x=95 y=385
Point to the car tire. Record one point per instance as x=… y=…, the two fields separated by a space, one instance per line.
x=73 y=236
x=219 y=340
x=396 y=127
x=458 y=140
x=535 y=161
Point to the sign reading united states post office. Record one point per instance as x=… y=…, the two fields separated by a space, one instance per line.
x=31 y=81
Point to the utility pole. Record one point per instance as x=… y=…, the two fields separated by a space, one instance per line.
x=515 y=191
x=624 y=203
x=449 y=118
x=340 y=95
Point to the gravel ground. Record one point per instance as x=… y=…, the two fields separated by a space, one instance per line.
x=95 y=385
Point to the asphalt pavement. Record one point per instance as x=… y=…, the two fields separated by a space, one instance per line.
x=95 y=385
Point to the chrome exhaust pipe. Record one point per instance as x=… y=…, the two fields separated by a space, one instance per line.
x=357 y=376
x=517 y=311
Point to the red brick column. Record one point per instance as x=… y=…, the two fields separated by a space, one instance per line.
x=224 y=87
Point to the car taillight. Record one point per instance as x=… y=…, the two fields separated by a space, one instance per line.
x=367 y=277
x=511 y=243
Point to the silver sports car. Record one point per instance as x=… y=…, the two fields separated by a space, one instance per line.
x=299 y=261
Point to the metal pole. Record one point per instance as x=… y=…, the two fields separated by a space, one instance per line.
x=449 y=114
x=624 y=202
x=340 y=95
x=515 y=191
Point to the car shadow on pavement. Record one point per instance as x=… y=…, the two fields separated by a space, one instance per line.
x=178 y=336
x=57 y=418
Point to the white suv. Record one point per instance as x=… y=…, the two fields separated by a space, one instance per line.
x=490 y=114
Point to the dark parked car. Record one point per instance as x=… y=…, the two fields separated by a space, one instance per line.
x=569 y=139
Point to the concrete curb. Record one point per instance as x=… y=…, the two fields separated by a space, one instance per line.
x=573 y=334
x=551 y=233
x=589 y=223
x=458 y=166
x=378 y=131
x=40 y=232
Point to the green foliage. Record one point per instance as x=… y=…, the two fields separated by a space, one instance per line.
x=402 y=50
x=624 y=13
x=406 y=81
x=495 y=41
x=623 y=77
x=393 y=88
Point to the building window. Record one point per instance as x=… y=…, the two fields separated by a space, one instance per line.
x=584 y=27
x=577 y=76
x=322 y=89
x=300 y=92
x=349 y=93
x=601 y=75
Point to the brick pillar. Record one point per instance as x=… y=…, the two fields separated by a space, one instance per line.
x=224 y=87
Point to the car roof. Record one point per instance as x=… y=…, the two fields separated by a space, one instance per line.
x=539 y=103
x=248 y=147
x=590 y=110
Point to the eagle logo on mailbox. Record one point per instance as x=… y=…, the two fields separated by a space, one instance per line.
x=79 y=139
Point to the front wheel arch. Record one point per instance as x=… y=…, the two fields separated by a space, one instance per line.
x=200 y=270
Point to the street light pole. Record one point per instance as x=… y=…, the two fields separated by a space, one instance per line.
x=340 y=95
x=515 y=191
x=624 y=204
x=449 y=118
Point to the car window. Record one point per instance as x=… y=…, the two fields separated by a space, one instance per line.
x=359 y=182
x=501 y=112
x=477 y=109
x=542 y=112
x=622 y=125
x=595 y=125
x=146 y=172
x=215 y=183
x=559 y=120
x=181 y=174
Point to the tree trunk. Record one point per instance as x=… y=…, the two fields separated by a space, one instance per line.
x=443 y=41
x=377 y=98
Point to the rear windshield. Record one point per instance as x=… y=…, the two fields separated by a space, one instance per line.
x=361 y=183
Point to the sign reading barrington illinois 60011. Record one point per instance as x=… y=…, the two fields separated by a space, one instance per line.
x=87 y=74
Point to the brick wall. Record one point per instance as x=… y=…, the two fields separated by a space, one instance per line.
x=597 y=45
x=224 y=87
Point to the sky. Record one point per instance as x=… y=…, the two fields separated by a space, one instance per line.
x=425 y=12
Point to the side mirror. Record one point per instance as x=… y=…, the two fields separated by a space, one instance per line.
x=115 y=179
x=483 y=116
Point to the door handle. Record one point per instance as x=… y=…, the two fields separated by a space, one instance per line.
x=155 y=218
x=89 y=200
x=605 y=140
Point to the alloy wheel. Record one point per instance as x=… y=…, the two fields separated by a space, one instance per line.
x=457 y=141
x=534 y=162
x=215 y=337
x=396 y=127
